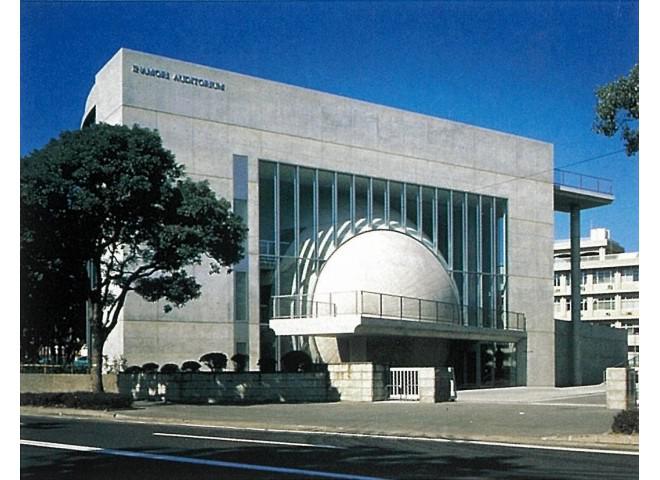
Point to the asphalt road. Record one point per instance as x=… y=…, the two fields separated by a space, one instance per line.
x=66 y=448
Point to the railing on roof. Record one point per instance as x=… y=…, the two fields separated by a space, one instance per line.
x=583 y=182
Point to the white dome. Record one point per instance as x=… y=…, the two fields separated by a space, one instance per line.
x=385 y=261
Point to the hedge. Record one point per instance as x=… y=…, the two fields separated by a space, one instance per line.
x=88 y=400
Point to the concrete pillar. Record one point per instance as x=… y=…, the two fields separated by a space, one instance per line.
x=576 y=297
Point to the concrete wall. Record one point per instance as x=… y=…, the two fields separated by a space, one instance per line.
x=621 y=388
x=267 y=120
x=601 y=347
x=359 y=382
x=227 y=387
x=64 y=382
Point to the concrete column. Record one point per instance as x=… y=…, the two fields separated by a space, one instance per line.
x=576 y=297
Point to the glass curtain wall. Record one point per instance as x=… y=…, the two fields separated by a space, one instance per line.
x=304 y=214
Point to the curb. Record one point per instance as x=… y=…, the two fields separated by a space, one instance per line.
x=610 y=441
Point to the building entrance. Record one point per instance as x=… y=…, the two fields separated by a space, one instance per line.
x=483 y=364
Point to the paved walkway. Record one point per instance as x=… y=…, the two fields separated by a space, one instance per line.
x=520 y=415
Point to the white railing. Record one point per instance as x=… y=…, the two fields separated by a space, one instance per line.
x=403 y=384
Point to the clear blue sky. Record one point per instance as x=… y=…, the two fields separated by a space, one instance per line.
x=527 y=68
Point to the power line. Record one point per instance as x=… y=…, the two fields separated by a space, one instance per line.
x=526 y=177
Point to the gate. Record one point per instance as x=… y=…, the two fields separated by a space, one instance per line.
x=404 y=384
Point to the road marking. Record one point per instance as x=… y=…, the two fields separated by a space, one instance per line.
x=416 y=439
x=247 y=440
x=199 y=461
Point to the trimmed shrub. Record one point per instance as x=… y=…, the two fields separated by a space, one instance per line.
x=626 y=421
x=240 y=362
x=296 y=361
x=169 y=368
x=190 y=366
x=150 y=367
x=133 y=369
x=267 y=365
x=87 y=400
x=216 y=361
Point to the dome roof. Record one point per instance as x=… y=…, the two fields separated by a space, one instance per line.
x=385 y=261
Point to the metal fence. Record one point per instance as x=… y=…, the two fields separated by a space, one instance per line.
x=403 y=384
x=584 y=182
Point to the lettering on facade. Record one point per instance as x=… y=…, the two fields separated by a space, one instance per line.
x=177 y=77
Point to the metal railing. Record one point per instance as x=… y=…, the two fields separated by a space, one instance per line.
x=383 y=305
x=403 y=384
x=583 y=182
x=296 y=306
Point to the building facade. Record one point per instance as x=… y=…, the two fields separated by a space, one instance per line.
x=375 y=234
x=609 y=286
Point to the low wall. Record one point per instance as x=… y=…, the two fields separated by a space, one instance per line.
x=358 y=382
x=64 y=382
x=227 y=387
x=620 y=388
x=435 y=384
x=601 y=346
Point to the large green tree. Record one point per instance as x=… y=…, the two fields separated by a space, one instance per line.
x=111 y=205
x=617 y=110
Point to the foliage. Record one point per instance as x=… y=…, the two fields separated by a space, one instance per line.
x=88 y=400
x=296 y=361
x=114 y=365
x=150 y=367
x=109 y=208
x=617 y=110
x=267 y=365
x=190 y=366
x=169 y=368
x=626 y=421
x=133 y=369
x=216 y=361
x=240 y=362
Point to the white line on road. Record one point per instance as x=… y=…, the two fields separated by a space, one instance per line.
x=247 y=440
x=200 y=461
x=416 y=439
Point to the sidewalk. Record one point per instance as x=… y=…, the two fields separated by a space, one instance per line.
x=527 y=415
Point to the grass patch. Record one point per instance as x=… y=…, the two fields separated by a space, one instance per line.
x=87 y=400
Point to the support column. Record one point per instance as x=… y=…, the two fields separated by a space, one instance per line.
x=576 y=297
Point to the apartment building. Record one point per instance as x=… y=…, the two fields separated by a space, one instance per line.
x=609 y=286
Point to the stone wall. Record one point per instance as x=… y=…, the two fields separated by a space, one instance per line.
x=358 y=382
x=227 y=387
x=64 y=382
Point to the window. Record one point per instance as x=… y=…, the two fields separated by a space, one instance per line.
x=604 y=303
x=602 y=277
x=629 y=303
x=584 y=304
x=240 y=297
x=557 y=279
x=630 y=274
x=568 y=304
x=557 y=305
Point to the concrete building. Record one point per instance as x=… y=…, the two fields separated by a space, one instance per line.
x=375 y=234
x=609 y=285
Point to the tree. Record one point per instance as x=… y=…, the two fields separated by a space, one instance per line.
x=617 y=110
x=120 y=212
x=215 y=361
